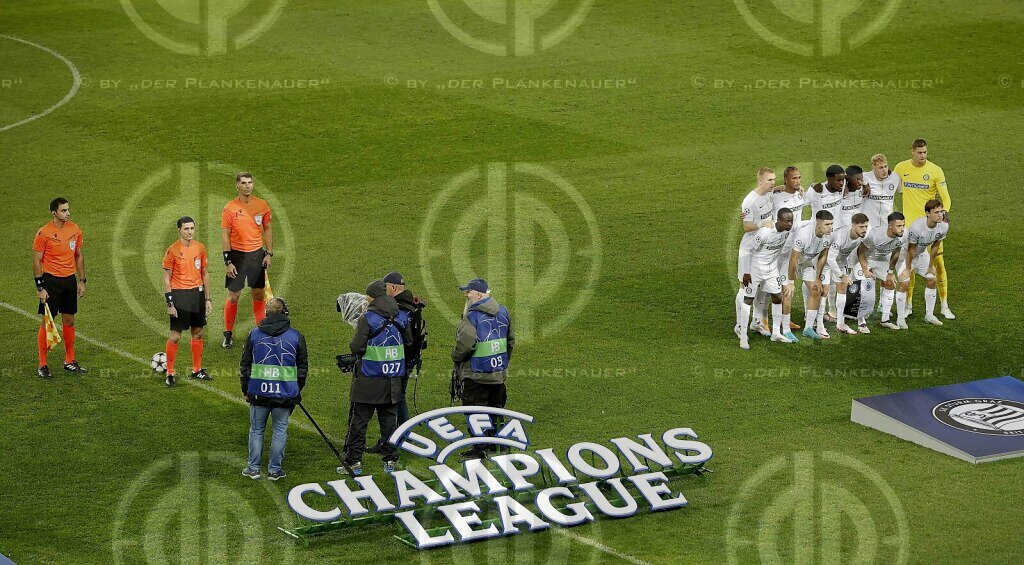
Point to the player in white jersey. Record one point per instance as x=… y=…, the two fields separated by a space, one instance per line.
x=761 y=273
x=881 y=248
x=790 y=195
x=807 y=261
x=881 y=188
x=923 y=239
x=842 y=266
x=829 y=194
x=756 y=213
x=853 y=196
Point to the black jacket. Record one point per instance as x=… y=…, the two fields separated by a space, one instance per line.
x=374 y=390
x=409 y=303
x=275 y=324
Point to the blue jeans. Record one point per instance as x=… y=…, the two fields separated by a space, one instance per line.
x=257 y=426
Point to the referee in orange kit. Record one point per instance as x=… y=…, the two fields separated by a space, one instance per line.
x=57 y=258
x=186 y=289
x=248 y=245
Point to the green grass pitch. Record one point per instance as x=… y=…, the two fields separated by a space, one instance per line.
x=603 y=210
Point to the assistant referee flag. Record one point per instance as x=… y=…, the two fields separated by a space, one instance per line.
x=52 y=334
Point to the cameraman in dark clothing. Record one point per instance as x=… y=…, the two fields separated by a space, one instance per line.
x=410 y=314
x=379 y=342
x=483 y=349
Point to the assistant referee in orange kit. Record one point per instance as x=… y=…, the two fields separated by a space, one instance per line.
x=56 y=260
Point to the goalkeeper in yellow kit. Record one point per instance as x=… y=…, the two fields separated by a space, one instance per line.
x=923 y=181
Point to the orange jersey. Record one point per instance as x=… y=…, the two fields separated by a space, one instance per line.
x=247 y=222
x=59 y=247
x=186 y=264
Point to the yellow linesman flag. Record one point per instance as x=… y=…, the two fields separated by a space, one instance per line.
x=267 y=292
x=52 y=334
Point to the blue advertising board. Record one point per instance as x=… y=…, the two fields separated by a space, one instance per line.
x=976 y=421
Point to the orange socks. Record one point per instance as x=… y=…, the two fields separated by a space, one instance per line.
x=230 y=311
x=172 y=354
x=69 y=344
x=197 y=355
x=259 y=310
x=41 y=342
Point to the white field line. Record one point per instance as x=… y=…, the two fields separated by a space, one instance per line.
x=191 y=382
x=600 y=546
x=75 y=77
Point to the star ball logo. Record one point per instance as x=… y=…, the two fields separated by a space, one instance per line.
x=510 y=28
x=524 y=229
x=819 y=27
x=203 y=27
x=817 y=508
x=146 y=227
x=989 y=416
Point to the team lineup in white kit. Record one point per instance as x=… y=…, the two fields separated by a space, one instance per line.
x=852 y=238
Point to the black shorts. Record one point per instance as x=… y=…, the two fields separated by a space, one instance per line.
x=63 y=293
x=250 y=269
x=191 y=306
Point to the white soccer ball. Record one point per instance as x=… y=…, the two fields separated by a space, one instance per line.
x=159 y=362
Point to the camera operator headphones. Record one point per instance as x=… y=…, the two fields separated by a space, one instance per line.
x=284 y=305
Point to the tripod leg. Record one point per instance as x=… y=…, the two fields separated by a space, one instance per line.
x=326 y=439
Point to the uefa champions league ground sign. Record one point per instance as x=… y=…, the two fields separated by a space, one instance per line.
x=531 y=490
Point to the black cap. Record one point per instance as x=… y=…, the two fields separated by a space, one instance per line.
x=376 y=289
x=479 y=285
x=394 y=277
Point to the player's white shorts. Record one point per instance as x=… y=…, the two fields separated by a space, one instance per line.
x=767 y=280
x=849 y=268
x=920 y=264
x=807 y=270
x=880 y=268
x=783 y=265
